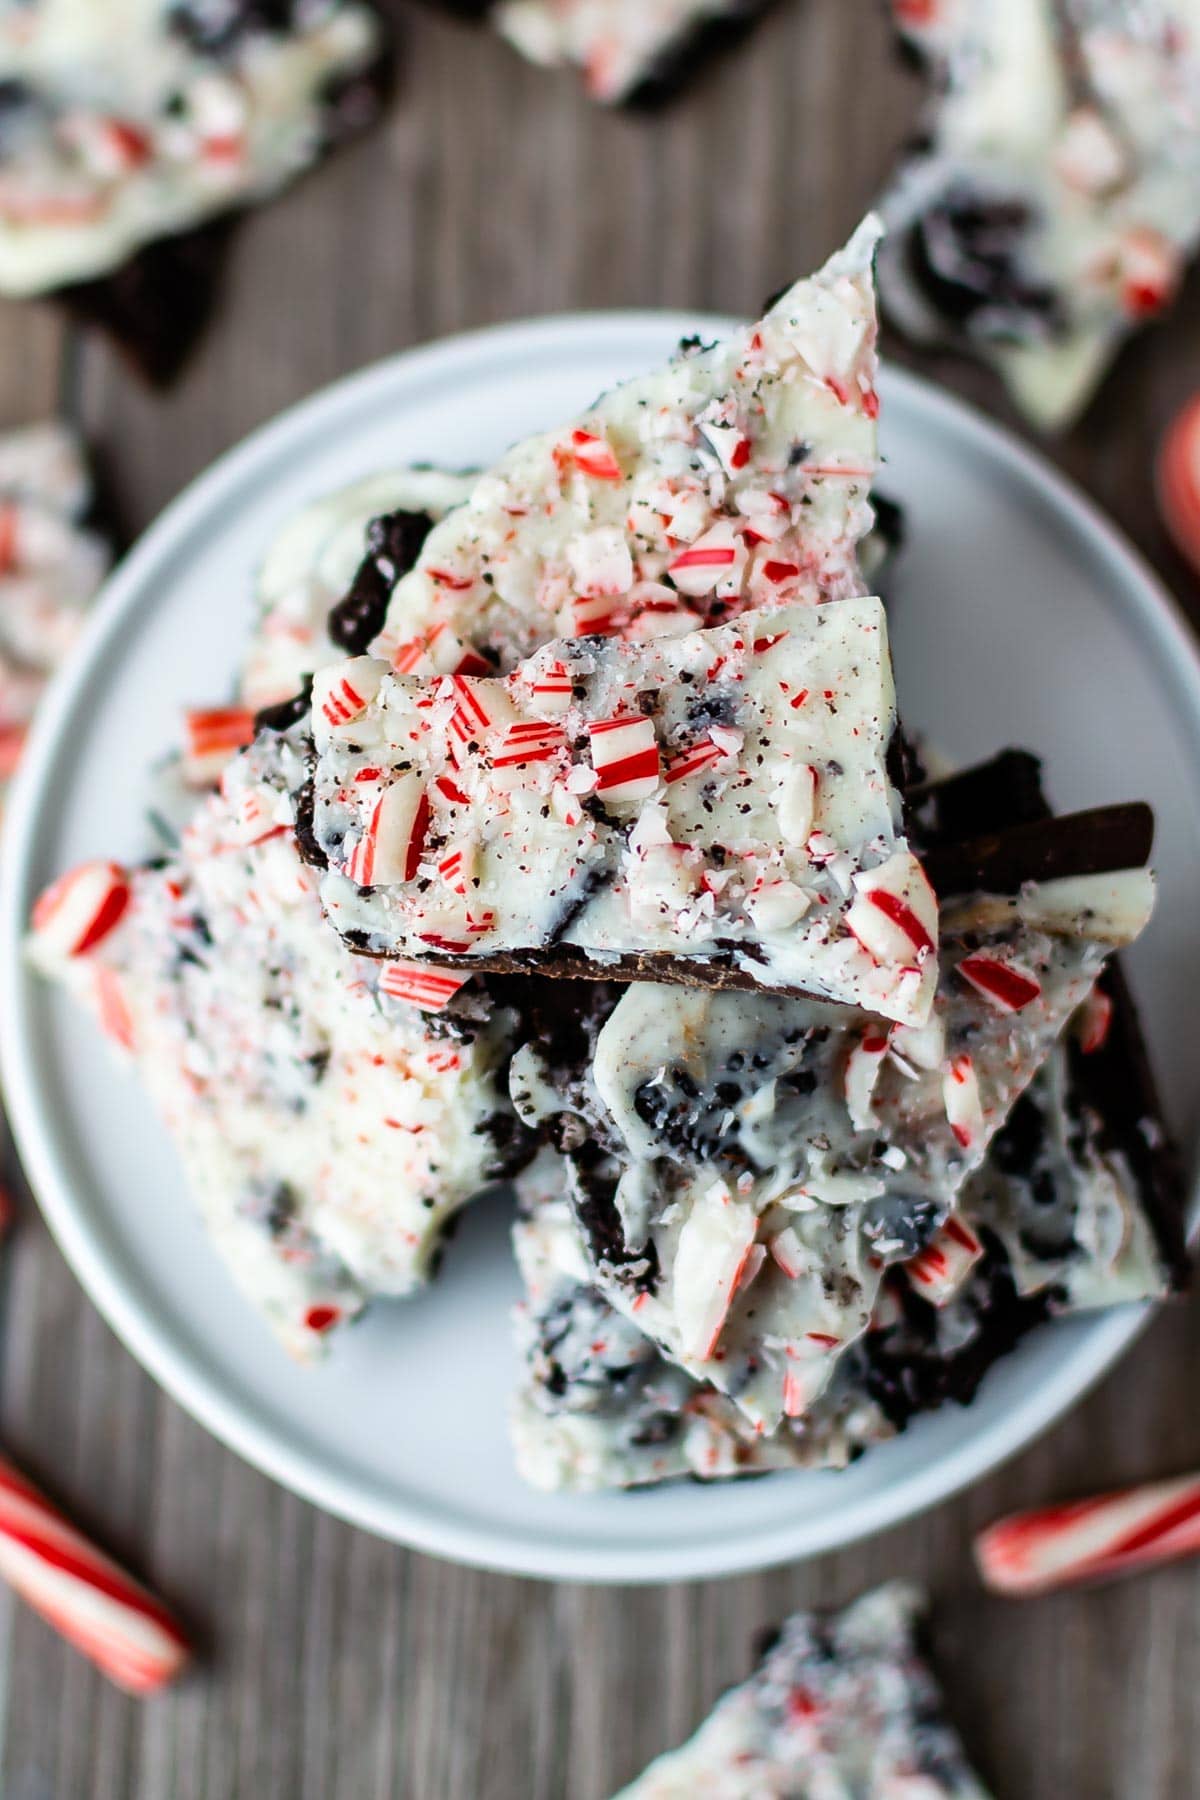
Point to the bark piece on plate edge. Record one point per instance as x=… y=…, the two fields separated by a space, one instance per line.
x=332 y=1113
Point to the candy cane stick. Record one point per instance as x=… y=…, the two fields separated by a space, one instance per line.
x=82 y=1593
x=1091 y=1540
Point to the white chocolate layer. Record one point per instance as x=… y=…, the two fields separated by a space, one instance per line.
x=767 y=439
x=761 y=1178
x=1071 y=128
x=328 y=1128
x=722 y=794
x=309 y=565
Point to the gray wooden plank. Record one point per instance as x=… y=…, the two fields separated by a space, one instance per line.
x=334 y=1666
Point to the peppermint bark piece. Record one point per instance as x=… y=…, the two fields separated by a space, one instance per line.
x=1076 y=1207
x=734 y=477
x=841 y=1703
x=1078 y=1204
x=629 y=52
x=51 y=564
x=599 y=1405
x=131 y=129
x=1070 y=1215
x=1083 y=1187
x=744 y=1168
x=331 y=1114
x=316 y=567
x=1054 y=198
x=713 y=808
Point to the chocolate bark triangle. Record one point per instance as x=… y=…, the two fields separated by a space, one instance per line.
x=744 y=1167
x=713 y=808
x=1077 y=1204
x=841 y=1704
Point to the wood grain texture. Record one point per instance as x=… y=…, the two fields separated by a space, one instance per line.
x=335 y=1667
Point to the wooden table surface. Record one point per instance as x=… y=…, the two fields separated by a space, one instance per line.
x=336 y=1667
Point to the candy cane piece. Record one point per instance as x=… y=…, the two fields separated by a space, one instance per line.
x=1091 y=1540
x=594 y=456
x=93 y=1603
x=210 y=739
x=77 y=912
x=343 y=692
x=1002 y=984
x=894 y=915
x=420 y=985
x=624 y=757
x=964 y=1105
x=939 y=1270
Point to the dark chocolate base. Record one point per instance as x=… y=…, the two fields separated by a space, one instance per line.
x=1103 y=840
x=156 y=305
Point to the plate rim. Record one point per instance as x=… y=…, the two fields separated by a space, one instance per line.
x=165 y=1354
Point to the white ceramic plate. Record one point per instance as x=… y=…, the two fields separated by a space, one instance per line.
x=1019 y=618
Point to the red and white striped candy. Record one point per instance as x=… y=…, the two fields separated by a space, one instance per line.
x=729 y=444
x=1003 y=985
x=479 y=707
x=713 y=558
x=251 y=815
x=389 y=849
x=715 y=1248
x=592 y=615
x=448 y=789
x=777 y=905
x=796 y=805
x=601 y=562
x=84 y=1594
x=529 y=741
x=77 y=912
x=450 y=944
x=452 y=655
x=894 y=914
x=412 y=657
x=457 y=867
x=1179 y=481
x=964 y=1107
x=1091 y=1540
x=788 y=1252
x=420 y=985
x=594 y=456
x=701 y=755
x=1151 y=267
x=343 y=692
x=862 y=1073
x=116 y=1020
x=939 y=1270
x=625 y=757
x=210 y=739
x=551 y=688
x=807 y=1372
